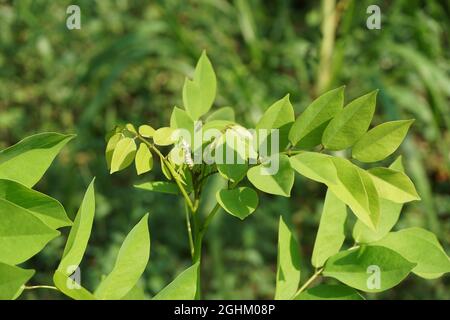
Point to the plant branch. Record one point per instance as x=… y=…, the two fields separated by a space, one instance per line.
x=308 y=282
x=40 y=287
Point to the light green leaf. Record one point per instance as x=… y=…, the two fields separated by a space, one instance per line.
x=330 y=292
x=165 y=170
x=393 y=185
x=381 y=141
x=358 y=268
x=146 y=131
x=356 y=189
x=27 y=161
x=308 y=128
x=164 y=136
x=181 y=120
x=143 y=160
x=199 y=93
x=12 y=279
x=288 y=265
x=316 y=166
x=267 y=178
x=111 y=145
x=419 y=246
x=22 y=235
x=123 y=154
x=279 y=115
x=70 y=287
x=350 y=123
x=234 y=172
x=79 y=233
x=224 y=113
x=159 y=186
x=137 y=293
x=184 y=287
x=239 y=202
x=45 y=208
x=330 y=235
x=130 y=264
x=389 y=214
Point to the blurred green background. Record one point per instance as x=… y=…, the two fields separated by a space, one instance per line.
x=128 y=63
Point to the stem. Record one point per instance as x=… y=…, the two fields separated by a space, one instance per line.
x=308 y=282
x=172 y=172
x=40 y=287
x=189 y=230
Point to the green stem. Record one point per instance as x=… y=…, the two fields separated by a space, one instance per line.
x=40 y=287
x=308 y=282
x=189 y=230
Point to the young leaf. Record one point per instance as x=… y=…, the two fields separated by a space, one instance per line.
x=279 y=115
x=368 y=268
x=112 y=143
x=130 y=264
x=279 y=182
x=12 y=279
x=79 y=233
x=316 y=166
x=184 y=287
x=357 y=190
x=164 y=136
x=421 y=247
x=308 y=128
x=159 y=186
x=146 y=131
x=27 y=161
x=143 y=160
x=224 y=113
x=45 y=208
x=350 y=123
x=330 y=235
x=389 y=214
x=22 y=235
x=330 y=292
x=393 y=185
x=381 y=141
x=70 y=287
x=288 y=265
x=181 y=120
x=239 y=202
x=123 y=154
x=199 y=93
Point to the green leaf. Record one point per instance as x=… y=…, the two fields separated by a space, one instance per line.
x=146 y=131
x=330 y=292
x=224 y=113
x=389 y=214
x=266 y=178
x=357 y=190
x=419 y=246
x=316 y=166
x=123 y=154
x=288 y=264
x=22 y=235
x=165 y=170
x=137 y=293
x=350 y=123
x=381 y=141
x=71 y=288
x=27 y=161
x=393 y=185
x=234 y=172
x=239 y=202
x=308 y=128
x=181 y=120
x=235 y=143
x=184 y=287
x=79 y=233
x=130 y=264
x=112 y=143
x=356 y=268
x=45 y=208
x=199 y=93
x=159 y=186
x=164 y=136
x=12 y=279
x=330 y=235
x=143 y=160
x=279 y=115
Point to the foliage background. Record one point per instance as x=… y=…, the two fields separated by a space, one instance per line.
x=128 y=63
